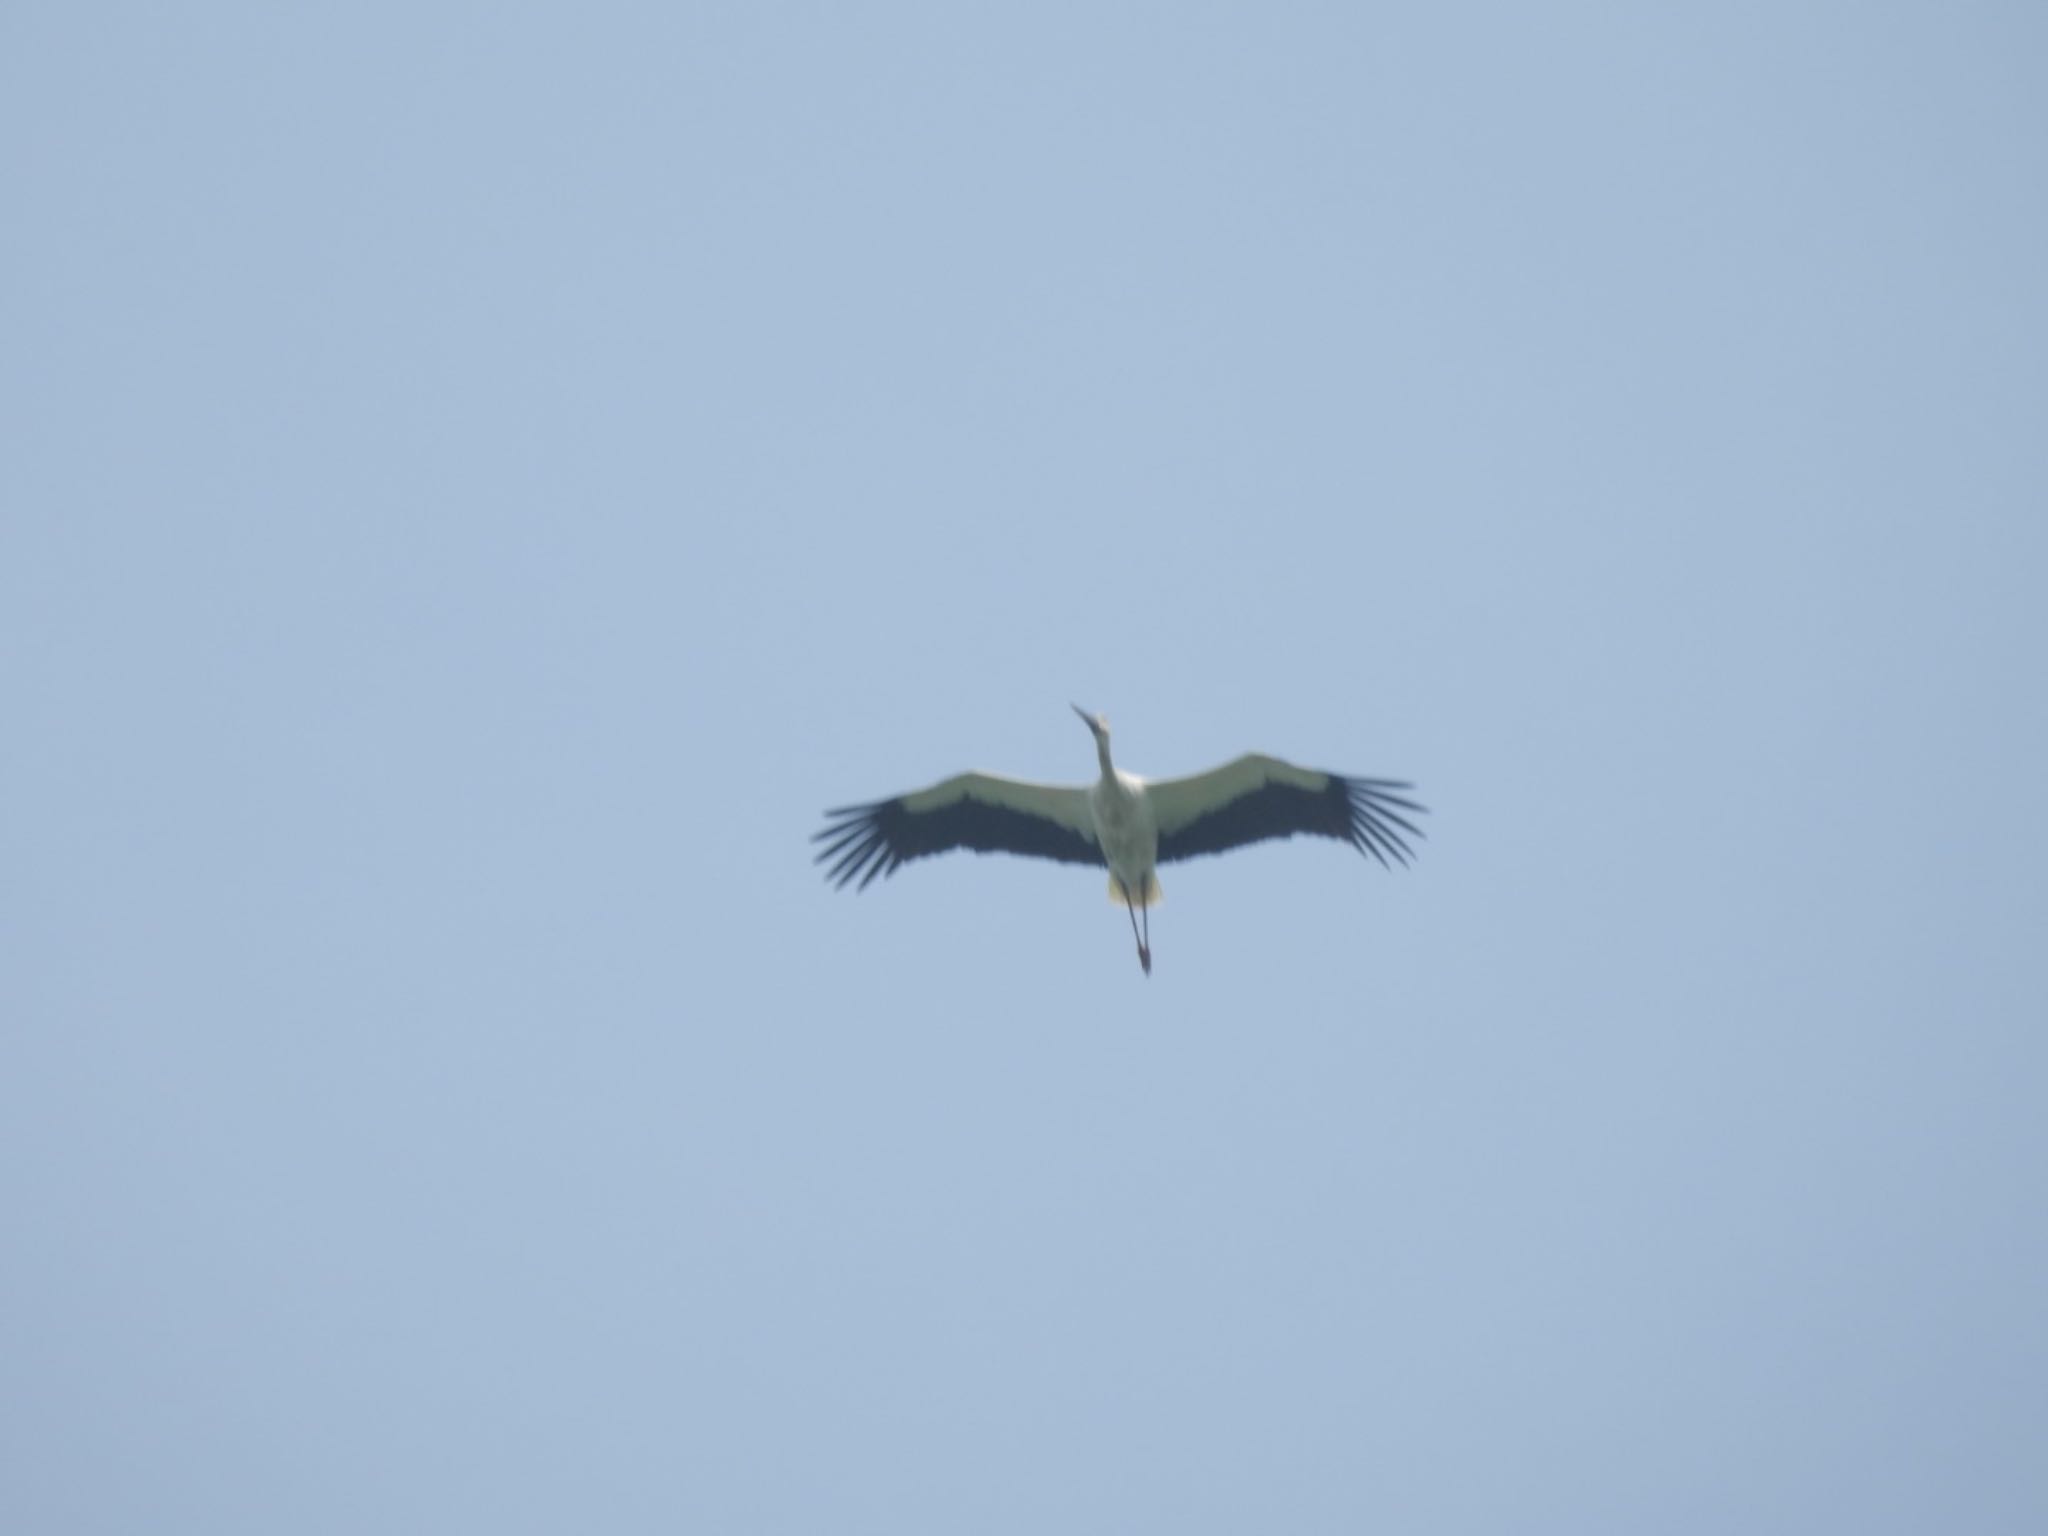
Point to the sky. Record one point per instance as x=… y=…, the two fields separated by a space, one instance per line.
x=481 y=480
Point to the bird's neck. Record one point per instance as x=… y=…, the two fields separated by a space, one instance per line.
x=1102 y=755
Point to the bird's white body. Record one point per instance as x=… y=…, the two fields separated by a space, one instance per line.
x=1122 y=821
x=1127 y=831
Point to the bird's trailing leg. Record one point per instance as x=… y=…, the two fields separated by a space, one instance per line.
x=1144 y=939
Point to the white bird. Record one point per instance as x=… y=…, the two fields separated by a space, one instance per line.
x=1130 y=824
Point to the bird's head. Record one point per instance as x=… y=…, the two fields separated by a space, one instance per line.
x=1099 y=727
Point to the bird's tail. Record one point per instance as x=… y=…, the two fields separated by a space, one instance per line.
x=1151 y=897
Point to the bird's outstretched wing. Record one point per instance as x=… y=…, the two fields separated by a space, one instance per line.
x=971 y=810
x=1255 y=798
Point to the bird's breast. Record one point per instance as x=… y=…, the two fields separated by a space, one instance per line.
x=1124 y=826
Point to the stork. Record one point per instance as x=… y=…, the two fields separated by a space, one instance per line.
x=1130 y=824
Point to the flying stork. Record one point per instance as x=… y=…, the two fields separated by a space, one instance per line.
x=1130 y=824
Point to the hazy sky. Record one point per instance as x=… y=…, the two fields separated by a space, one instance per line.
x=480 y=480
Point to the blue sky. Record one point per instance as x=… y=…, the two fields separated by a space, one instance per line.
x=482 y=480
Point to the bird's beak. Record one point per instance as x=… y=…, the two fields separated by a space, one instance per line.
x=1087 y=719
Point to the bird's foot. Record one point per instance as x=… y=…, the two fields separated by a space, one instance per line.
x=1145 y=958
